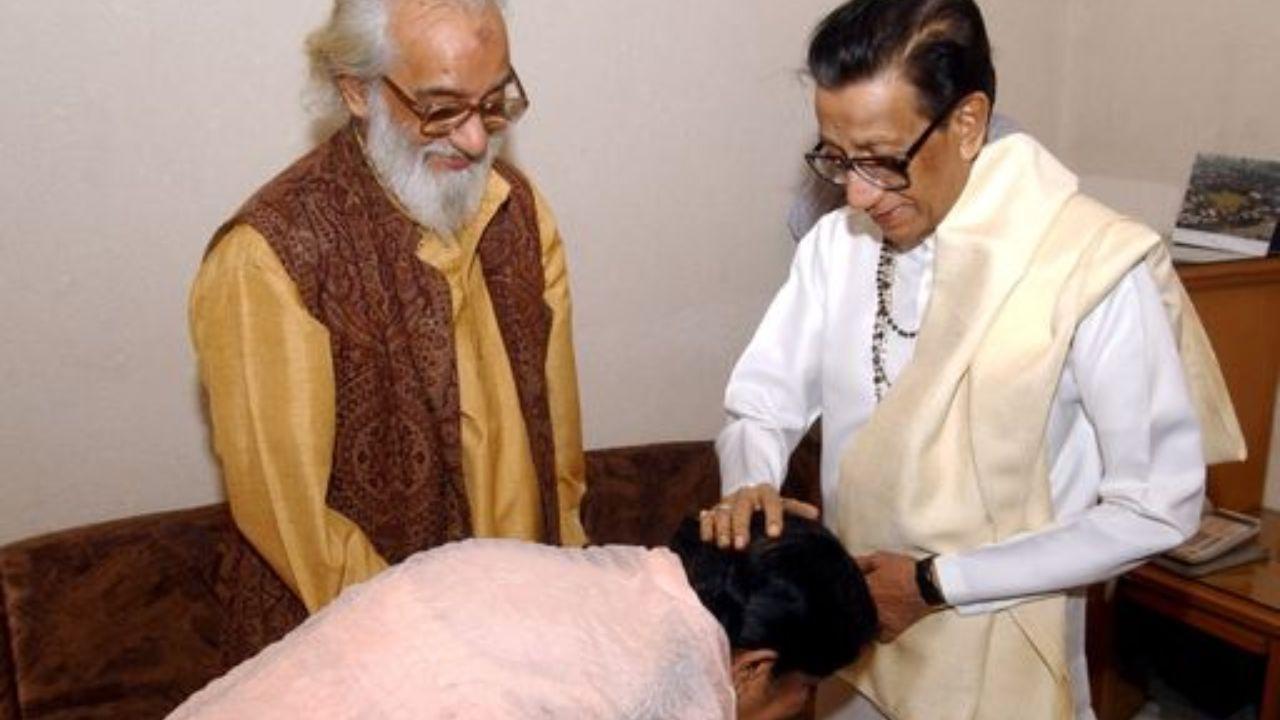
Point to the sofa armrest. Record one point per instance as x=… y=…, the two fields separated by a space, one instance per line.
x=115 y=620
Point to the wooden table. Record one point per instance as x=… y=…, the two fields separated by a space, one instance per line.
x=1240 y=606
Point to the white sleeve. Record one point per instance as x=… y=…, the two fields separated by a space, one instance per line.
x=775 y=391
x=1133 y=391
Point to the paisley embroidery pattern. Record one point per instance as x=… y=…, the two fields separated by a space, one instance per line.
x=397 y=467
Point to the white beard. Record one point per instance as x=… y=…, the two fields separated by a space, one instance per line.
x=442 y=202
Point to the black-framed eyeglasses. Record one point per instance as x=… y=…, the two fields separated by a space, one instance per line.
x=497 y=110
x=887 y=172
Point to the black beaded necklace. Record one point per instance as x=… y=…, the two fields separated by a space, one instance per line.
x=885 y=323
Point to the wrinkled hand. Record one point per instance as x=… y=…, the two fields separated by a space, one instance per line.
x=729 y=522
x=892 y=581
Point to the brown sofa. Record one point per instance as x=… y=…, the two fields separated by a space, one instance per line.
x=120 y=620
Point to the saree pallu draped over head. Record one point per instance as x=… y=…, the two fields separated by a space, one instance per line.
x=955 y=456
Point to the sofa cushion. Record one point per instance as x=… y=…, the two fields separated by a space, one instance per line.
x=116 y=620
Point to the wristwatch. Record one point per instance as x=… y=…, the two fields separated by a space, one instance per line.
x=927 y=582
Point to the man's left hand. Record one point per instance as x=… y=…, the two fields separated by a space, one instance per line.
x=892 y=581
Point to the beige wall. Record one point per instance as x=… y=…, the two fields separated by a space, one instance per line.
x=1029 y=44
x=129 y=128
x=1150 y=82
x=665 y=132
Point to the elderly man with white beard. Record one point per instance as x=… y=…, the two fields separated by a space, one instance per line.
x=383 y=330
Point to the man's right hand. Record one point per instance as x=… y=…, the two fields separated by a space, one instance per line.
x=729 y=522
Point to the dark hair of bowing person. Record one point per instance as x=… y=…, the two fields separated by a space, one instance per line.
x=795 y=609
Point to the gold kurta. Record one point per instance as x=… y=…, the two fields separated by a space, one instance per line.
x=266 y=365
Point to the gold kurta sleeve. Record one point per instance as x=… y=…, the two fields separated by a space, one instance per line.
x=266 y=367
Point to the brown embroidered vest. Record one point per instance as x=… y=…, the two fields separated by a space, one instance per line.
x=397 y=468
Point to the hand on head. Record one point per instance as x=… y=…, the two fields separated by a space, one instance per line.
x=889 y=576
x=728 y=523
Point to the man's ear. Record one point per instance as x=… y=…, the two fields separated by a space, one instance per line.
x=752 y=671
x=970 y=121
x=354 y=95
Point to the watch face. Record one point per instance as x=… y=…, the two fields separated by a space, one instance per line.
x=927 y=584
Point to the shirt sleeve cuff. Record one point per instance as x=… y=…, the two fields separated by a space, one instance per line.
x=958 y=591
x=747 y=458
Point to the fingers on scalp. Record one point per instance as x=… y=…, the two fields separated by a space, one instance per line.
x=801 y=508
x=722 y=518
x=706 y=525
x=741 y=521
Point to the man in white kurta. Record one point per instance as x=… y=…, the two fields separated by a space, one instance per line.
x=1001 y=370
x=1124 y=447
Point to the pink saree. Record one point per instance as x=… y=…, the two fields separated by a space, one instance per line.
x=495 y=629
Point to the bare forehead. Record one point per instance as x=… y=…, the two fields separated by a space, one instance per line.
x=442 y=38
x=881 y=109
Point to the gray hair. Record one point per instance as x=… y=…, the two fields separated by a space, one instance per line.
x=354 y=41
